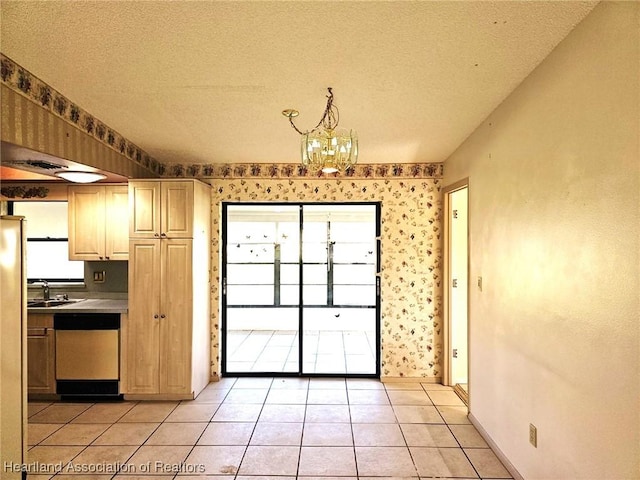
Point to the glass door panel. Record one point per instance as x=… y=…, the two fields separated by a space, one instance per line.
x=339 y=265
x=261 y=294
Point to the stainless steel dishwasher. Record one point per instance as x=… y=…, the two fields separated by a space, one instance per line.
x=87 y=354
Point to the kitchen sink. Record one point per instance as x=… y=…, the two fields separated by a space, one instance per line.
x=52 y=303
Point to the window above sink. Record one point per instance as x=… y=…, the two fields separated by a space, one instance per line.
x=47 y=242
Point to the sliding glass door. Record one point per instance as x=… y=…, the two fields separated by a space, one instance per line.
x=300 y=289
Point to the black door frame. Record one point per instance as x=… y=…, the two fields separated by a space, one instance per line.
x=223 y=297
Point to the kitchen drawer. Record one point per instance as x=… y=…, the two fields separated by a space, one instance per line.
x=39 y=320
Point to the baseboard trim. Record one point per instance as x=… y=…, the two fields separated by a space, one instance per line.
x=501 y=456
x=462 y=393
x=43 y=397
x=411 y=379
x=159 y=396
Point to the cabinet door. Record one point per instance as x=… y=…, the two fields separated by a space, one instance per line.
x=86 y=223
x=144 y=209
x=143 y=328
x=117 y=223
x=40 y=360
x=177 y=210
x=176 y=316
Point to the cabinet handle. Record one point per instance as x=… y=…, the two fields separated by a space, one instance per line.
x=163 y=234
x=100 y=258
x=37 y=332
x=162 y=316
x=156 y=235
x=155 y=316
x=106 y=258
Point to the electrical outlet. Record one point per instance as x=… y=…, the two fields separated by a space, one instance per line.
x=98 y=277
x=533 y=435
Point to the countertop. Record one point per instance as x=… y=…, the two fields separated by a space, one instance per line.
x=90 y=305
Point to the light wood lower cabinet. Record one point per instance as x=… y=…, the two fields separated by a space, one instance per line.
x=160 y=339
x=142 y=333
x=41 y=354
x=176 y=317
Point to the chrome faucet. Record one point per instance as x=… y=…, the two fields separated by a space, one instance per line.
x=45 y=290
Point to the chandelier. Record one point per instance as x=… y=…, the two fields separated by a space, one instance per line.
x=326 y=148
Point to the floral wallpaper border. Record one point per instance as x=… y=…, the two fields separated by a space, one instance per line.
x=295 y=170
x=28 y=85
x=21 y=191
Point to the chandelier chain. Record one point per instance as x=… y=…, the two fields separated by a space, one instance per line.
x=330 y=117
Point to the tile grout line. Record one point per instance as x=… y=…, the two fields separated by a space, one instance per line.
x=136 y=450
x=304 y=423
x=415 y=466
x=246 y=337
x=246 y=448
x=263 y=351
x=453 y=434
x=353 y=437
x=263 y=404
x=195 y=443
x=84 y=447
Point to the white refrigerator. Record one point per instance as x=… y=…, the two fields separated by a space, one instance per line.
x=13 y=348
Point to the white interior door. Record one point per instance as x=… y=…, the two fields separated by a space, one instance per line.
x=458 y=257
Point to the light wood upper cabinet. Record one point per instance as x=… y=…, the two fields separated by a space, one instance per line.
x=144 y=209
x=117 y=223
x=161 y=209
x=98 y=222
x=86 y=223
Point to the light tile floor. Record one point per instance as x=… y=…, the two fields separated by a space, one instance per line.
x=325 y=351
x=259 y=428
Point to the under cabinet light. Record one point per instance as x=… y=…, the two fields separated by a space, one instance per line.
x=81 y=177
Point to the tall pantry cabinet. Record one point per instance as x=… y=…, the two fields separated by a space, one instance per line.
x=168 y=331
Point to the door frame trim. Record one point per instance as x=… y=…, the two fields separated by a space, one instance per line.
x=446 y=373
x=223 y=297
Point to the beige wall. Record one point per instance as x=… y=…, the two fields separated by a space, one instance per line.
x=554 y=215
x=411 y=290
x=26 y=123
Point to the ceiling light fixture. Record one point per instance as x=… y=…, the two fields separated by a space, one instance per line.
x=326 y=148
x=80 y=177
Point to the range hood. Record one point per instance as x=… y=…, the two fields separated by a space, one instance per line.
x=37 y=166
x=22 y=164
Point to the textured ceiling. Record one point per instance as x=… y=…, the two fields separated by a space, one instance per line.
x=206 y=81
